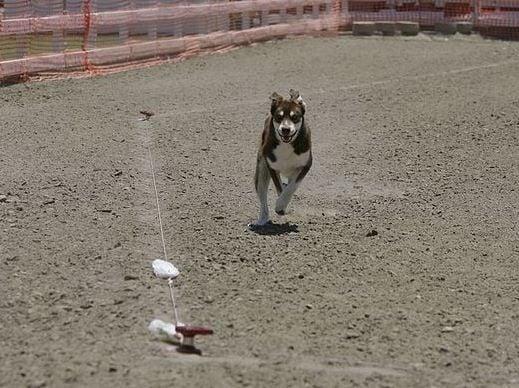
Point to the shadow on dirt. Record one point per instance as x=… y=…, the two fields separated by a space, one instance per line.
x=272 y=229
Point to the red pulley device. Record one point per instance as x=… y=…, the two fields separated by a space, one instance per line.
x=165 y=270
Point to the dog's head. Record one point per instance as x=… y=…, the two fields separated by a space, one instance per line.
x=287 y=115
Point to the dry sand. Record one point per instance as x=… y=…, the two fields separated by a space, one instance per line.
x=415 y=138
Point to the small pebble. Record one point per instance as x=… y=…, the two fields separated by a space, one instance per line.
x=147 y=114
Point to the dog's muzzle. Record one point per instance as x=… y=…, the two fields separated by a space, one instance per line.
x=285 y=134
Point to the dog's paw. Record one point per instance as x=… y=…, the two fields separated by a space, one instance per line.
x=281 y=206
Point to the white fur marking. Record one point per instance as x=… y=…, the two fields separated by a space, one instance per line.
x=286 y=195
x=287 y=161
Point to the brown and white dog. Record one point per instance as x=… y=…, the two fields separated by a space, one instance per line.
x=285 y=151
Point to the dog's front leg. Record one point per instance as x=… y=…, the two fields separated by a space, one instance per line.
x=286 y=195
x=262 y=180
x=288 y=191
x=277 y=180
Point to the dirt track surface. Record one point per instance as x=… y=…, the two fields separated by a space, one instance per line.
x=416 y=139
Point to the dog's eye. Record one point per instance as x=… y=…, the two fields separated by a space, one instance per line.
x=279 y=115
x=295 y=117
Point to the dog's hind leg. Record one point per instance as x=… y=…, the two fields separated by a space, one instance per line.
x=262 y=180
x=288 y=191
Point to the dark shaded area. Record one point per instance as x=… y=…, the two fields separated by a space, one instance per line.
x=272 y=229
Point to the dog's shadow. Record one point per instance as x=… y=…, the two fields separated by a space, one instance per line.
x=272 y=229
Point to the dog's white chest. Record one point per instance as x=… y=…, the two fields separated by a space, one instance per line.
x=287 y=160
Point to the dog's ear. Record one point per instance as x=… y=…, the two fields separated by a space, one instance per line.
x=275 y=100
x=295 y=96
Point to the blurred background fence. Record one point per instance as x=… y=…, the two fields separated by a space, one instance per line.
x=58 y=36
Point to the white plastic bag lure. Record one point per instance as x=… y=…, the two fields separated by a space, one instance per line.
x=164 y=269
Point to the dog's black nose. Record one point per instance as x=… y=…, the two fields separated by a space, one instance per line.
x=285 y=131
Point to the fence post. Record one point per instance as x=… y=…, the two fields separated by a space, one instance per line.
x=223 y=21
x=344 y=7
x=283 y=15
x=300 y=11
x=90 y=29
x=328 y=8
x=14 y=9
x=315 y=11
x=177 y=28
x=124 y=33
x=124 y=29
x=345 y=14
x=152 y=31
x=22 y=45
x=264 y=18
x=57 y=7
x=475 y=12
x=58 y=41
x=245 y=20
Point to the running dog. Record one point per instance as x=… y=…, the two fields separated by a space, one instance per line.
x=285 y=151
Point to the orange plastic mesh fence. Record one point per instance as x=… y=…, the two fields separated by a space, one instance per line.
x=57 y=36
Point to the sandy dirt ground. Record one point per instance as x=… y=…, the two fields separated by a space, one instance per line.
x=416 y=139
